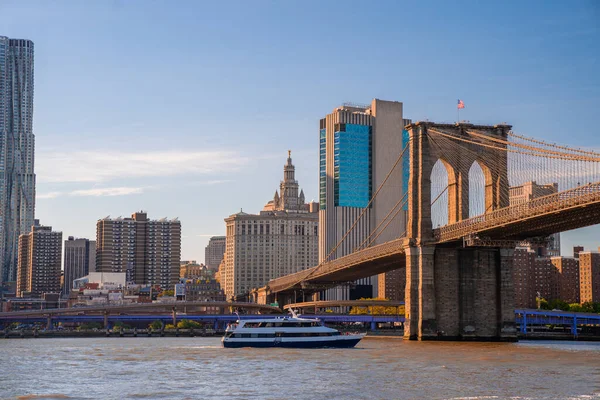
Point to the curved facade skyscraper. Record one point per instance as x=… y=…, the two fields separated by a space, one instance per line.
x=17 y=178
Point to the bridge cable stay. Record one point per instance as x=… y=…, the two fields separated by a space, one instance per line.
x=363 y=212
x=556 y=168
x=389 y=222
x=400 y=203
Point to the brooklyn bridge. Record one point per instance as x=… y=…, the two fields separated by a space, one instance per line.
x=457 y=251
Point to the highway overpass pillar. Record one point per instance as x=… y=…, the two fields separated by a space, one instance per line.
x=105 y=320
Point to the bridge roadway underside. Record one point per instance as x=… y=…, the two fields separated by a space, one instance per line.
x=350 y=273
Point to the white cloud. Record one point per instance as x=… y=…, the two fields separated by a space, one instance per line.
x=115 y=191
x=101 y=166
x=49 y=195
x=97 y=192
x=210 y=183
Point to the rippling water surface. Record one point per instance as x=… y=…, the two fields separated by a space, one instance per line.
x=199 y=368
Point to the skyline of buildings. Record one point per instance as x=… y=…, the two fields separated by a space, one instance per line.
x=148 y=251
x=17 y=145
x=358 y=145
x=280 y=240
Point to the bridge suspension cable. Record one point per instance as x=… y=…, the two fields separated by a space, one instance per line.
x=545 y=168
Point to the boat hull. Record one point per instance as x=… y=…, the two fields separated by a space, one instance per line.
x=315 y=344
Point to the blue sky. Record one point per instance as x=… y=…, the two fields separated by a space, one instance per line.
x=186 y=109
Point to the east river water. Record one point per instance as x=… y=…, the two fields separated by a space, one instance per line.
x=199 y=368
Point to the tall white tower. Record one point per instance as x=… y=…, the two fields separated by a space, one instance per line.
x=17 y=142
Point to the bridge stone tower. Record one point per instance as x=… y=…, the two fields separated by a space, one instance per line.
x=452 y=291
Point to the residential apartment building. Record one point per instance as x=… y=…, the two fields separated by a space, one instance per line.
x=199 y=289
x=191 y=269
x=39 y=262
x=359 y=145
x=524 y=263
x=148 y=251
x=17 y=177
x=214 y=252
x=589 y=276
x=80 y=260
x=567 y=278
x=557 y=278
x=531 y=191
x=280 y=240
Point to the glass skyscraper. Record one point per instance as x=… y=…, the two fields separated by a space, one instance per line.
x=352 y=165
x=17 y=178
x=358 y=145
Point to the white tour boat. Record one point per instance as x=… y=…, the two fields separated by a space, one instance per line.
x=290 y=332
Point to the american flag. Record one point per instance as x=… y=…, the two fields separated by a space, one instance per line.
x=461 y=104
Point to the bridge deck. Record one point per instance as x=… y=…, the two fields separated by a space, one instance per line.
x=559 y=212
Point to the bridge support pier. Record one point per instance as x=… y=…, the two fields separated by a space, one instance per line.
x=459 y=294
x=49 y=324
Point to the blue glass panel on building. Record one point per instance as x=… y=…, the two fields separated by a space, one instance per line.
x=405 y=166
x=322 y=171
x=352 y=166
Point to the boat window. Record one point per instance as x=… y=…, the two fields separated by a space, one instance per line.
x=306 y=334
x=245 y=335
x=228 y=334
x=266 y=335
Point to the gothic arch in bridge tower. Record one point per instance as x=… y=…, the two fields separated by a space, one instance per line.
x=477 y=184
x=443 y=177
x=458 y=150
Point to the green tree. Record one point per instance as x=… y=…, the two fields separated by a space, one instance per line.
x=187 y=324
x=377 y=310
x=166 y=293
x=119 y=325
x=575 y=307
x=89 y=326
x=588 y=307
x=558 y=304
x=156 y=325
x=543 y=304
x=169 y=326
